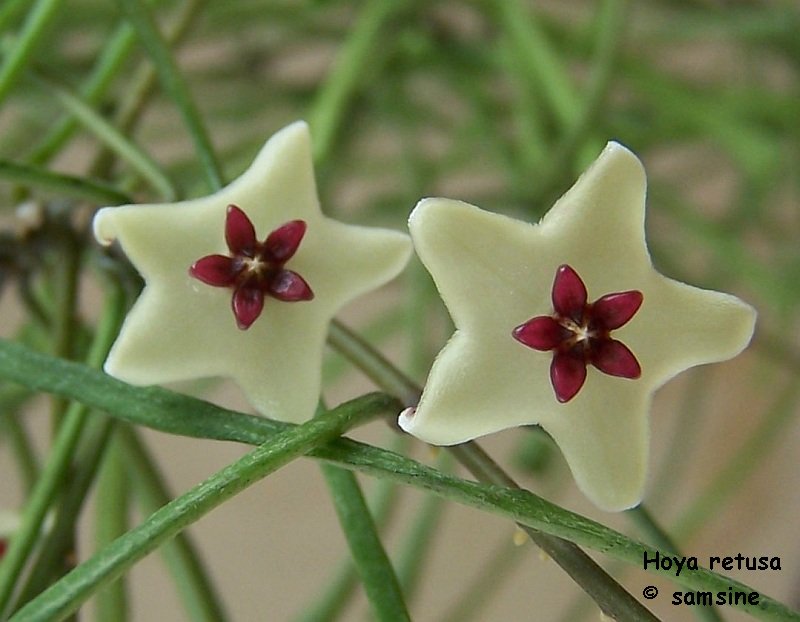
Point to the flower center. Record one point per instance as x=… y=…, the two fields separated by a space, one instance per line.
x=578 y=333
x=255 y=269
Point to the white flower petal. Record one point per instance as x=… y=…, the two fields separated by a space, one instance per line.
x=181 y=328
x=495 y=273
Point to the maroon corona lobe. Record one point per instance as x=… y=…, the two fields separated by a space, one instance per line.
x=254 y=269
x=578 y=333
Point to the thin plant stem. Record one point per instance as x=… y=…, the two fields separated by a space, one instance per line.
x=105 y=70
x=112 y=521
x=41 y=16
x=610 y=596
x=12 y=398
x=612 y=599
x=175 y=86
x=66 y=185
x=9 y=11
x=57 y=547
x=360 y=48
x=658 y=537
x=417 y=542
x=112 y=138
x=530 y=135
x=536 y=53
x=55 y=471
x=65 y=275
x=142 y=86
x=374 y=568
x=376 y=367
x=41 y=498
x=199 y=596
x=611 y=25
x=175 y=413
x=65 y=596
x=677 y=456
x=342 y=586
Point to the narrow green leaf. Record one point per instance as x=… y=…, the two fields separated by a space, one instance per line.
x=9 y=11
x=180 y=414
x=658 y=537
x=339 y=592
x=492 y=577
x=11 y=399
x=105 y=70
x=174 y=86
x=65 y=596
x=363 y=45
x=417 y=542
x=59 y=541
x=55 y=471
x=66 y=185
x=113 y=490
x=114 y=140
x=372 y=563
x=547 y=72
x=183 y=560
x=40 y=18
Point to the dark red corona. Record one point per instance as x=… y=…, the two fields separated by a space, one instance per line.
x=255 y=269
x=578 y=333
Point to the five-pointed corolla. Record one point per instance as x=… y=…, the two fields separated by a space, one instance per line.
x=495 y=275
x=275 y=248
x=579 y=333
x=255 y=269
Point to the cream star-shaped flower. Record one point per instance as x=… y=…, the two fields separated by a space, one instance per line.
x=217 y=302
x=529 y=346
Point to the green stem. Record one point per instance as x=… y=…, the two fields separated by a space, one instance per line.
x=64 y=597
x=56 y=469
x=417 y=543
x=105 y=70
x=112 y=138
x=611 y=24
x=535 y=52
x=9 y=11
x=530 y=136
x=658 y=537
x=175 y=413
x=691 y=413
x=343 y=585
x=66 y=266
x=174 y=85
x=142 y=86
x=65 y=185
x=613 y=600
x=58 y=545
x=11 y=399
x=376 y=367
x=372 y=563
x=610 y=596
x=112 y=522
x=195 y=588
x=358 y=52
x=54 y=474
x=39 y=19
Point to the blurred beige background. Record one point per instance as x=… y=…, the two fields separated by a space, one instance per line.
x=273 y=549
